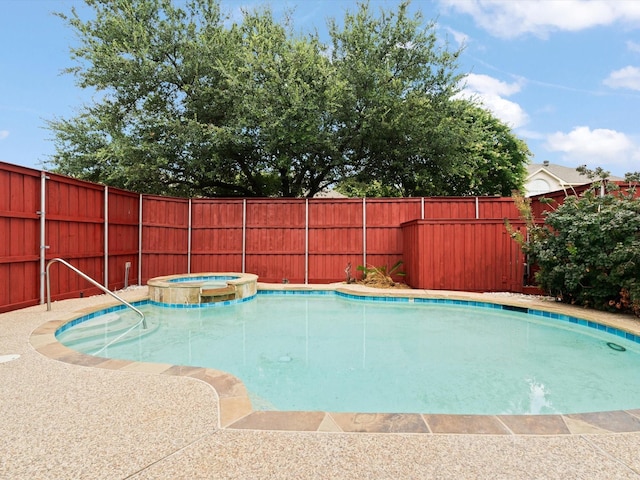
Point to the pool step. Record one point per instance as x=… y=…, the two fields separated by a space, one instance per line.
x=213 y=294
x=93 y=334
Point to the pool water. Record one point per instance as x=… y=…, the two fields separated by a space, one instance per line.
x=324 y=352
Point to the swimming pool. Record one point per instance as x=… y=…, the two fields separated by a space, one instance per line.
x=293 y=352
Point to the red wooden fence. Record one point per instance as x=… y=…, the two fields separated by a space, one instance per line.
x=165 y=232
x=473 y=255
x=124 y=208
x=217 y=227
x=119 y=237
x=553 y=199
x=19 y=236
x=75 y=227
x=275 y=239
x=335 y=238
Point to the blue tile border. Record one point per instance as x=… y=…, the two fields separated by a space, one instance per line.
x=296 y=292
x=224 y=303
x=528 y=311
x=372 y=298
x=203 y=278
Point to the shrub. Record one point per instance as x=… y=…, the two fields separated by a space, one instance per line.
x=381 y=276
x=588 y=251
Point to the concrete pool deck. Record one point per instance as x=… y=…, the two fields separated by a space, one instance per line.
x=66 y=415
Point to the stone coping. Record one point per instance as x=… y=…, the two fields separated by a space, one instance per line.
x=189 y=279
x=235 y=410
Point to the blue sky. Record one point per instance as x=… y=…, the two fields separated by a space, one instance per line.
x=564 y=74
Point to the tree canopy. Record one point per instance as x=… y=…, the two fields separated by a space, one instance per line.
x=192 y=103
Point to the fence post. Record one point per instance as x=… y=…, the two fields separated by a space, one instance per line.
x=43 y=240
x=189 y=240
x=364 y=232
x=106 y=237
x=244 y=232
x=140 y=240
x=306 y=242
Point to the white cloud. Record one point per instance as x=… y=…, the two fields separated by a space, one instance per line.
x=509 y=18
x=633 y=46
x=490 y=92
x=490 y=85
x=4 y=134
x=598 y=147
x=627 y=77
x=509 y=112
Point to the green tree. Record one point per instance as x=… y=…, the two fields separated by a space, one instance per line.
x=491 y=160
x=483 y=157
x=399 y=84
x=279 y=126
x=149 y=63
x=190 y=103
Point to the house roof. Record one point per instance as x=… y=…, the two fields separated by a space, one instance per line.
x=329 y=193
x=566 y=175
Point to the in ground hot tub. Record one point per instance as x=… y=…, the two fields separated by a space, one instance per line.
x=202 y=288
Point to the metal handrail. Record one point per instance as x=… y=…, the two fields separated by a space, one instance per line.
x=143 y=320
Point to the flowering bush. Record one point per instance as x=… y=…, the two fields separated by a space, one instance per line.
x=588 y=251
